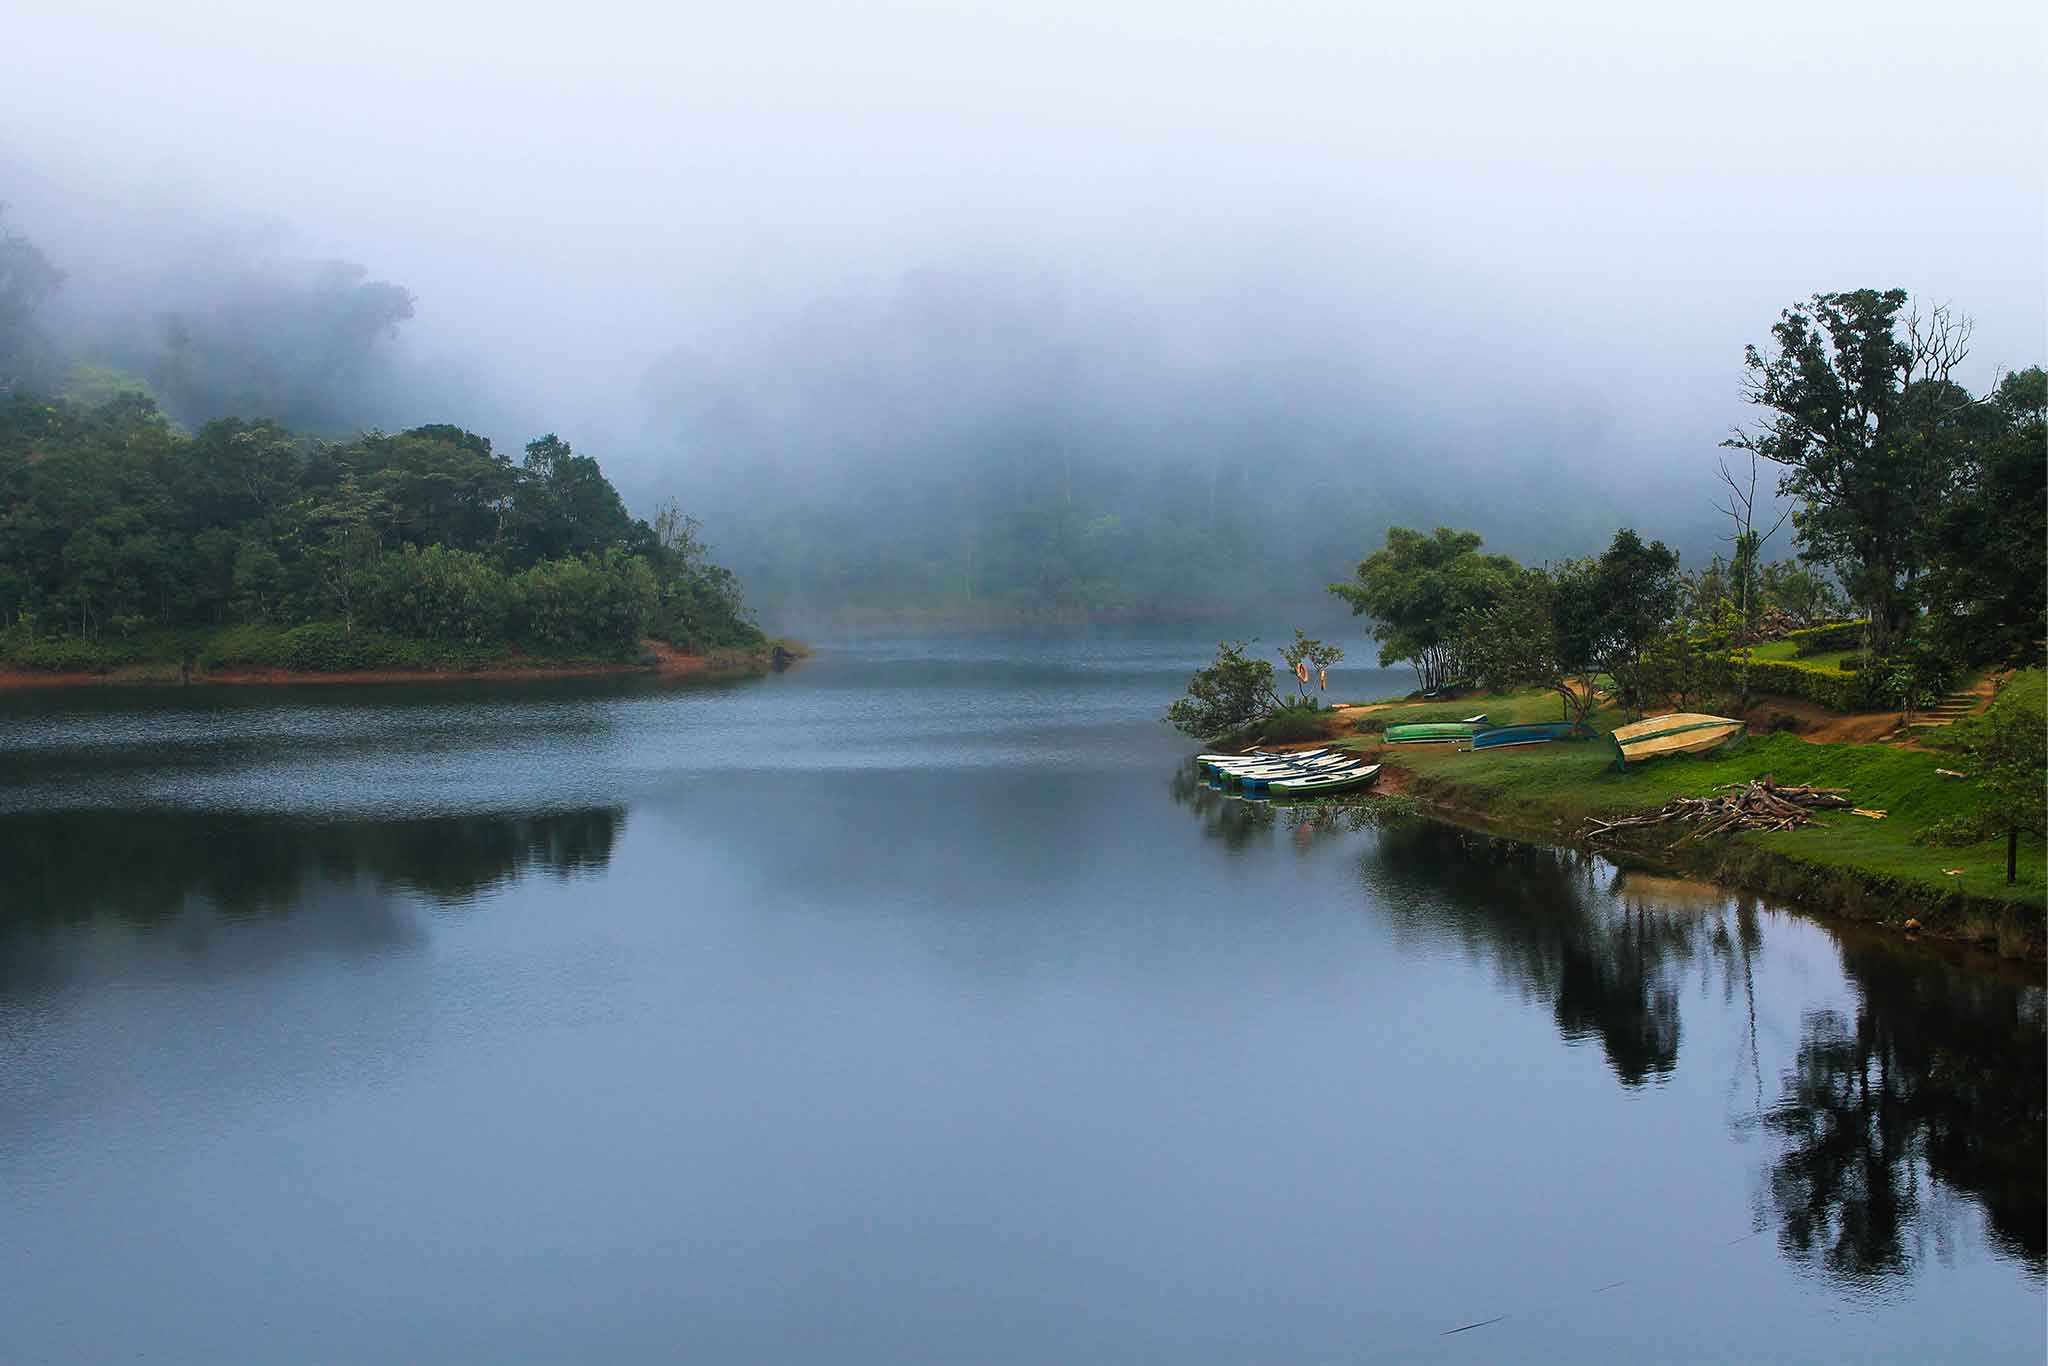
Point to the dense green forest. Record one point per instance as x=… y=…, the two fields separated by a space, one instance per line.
x=126 y=537
x=114 y=524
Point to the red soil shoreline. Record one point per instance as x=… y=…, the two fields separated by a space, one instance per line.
x=669 y=663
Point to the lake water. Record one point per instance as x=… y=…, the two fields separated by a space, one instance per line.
x=916 y=1006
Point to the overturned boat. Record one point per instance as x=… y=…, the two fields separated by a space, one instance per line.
x=1535 y=733
x=1434 y=732
x=1679 y=732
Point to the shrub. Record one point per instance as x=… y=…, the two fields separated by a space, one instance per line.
x=437 y=594
x=585 y=603
x=1955 y=831
x=1830 y=688
x=66 y=654
x=1291 y=725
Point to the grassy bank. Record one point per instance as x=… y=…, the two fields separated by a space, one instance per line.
x=326 y=650
x=1872 y=869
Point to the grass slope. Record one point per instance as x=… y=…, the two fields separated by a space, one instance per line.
x=1568 y=781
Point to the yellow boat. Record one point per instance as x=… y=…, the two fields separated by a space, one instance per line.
x=1680 y=732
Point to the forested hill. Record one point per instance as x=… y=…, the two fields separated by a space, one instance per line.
x=116 y=526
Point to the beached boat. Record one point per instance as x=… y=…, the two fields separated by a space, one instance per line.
x=1258 y=756
x=1263 y=774
x=1535 y=733
x=1347 y=780
x=1434 y=732
x=1244 y=761
x=1263 y=782
x=1680 y=732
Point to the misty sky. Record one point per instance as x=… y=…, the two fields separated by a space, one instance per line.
x=1538 y=226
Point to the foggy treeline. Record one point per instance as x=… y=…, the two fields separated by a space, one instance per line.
x=974 y=440
x=992 y=315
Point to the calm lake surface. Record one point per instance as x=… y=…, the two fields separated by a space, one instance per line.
x=916 y=1005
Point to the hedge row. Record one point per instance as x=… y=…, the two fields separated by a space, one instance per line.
x=1820 y=640
x=1825 y=687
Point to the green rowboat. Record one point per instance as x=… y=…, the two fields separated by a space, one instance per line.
x=1432 y=732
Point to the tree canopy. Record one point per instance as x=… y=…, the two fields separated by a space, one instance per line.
x=1987 y=545
x=112 y=520
x=1869 y=425
x=1417 y=590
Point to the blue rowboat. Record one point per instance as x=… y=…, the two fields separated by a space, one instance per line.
x=1536 y=733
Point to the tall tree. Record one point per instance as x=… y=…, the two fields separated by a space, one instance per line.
x=1867 y=422
x=1632 y=594
x=1987 y=580
x=1543 y=631
x=1418 y=589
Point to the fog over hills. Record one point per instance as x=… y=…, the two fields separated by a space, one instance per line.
x=1126 y=309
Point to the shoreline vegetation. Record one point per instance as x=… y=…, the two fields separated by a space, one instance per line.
x=656 y=658
x=1881 y=871
x=131 y=551
x=1896 y=664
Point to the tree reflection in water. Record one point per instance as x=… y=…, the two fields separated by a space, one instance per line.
x=1934 y=1084
x=1939 y=1074
x=1551 y=923
x=142 y=867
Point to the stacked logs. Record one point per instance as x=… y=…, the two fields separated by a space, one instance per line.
x=1757 y=805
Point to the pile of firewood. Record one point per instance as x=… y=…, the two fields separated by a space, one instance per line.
x=1757 y=805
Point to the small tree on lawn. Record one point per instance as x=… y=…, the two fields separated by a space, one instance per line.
x=1635 y=593
x=1229 y=695
x=2008 y=749
x=1417 y=590
x=1539 y=634
x=1315 y=654
x=1673 y=667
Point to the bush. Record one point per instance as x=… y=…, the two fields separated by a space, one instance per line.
x=437 y=594
x=1821 y=640
x=66 y=654
x=585 y=603
x=1952 y=832
x=1291 y=725
x=1830 y=688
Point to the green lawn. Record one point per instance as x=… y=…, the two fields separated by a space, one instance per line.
x=1568 y=781
x=1781 y=651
